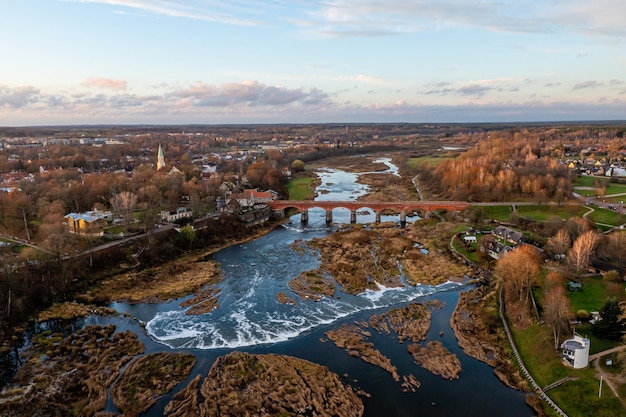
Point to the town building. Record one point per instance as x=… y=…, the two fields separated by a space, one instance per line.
x=89 y=223
x=178 y=214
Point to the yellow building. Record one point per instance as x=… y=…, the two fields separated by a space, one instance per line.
x=89 y=223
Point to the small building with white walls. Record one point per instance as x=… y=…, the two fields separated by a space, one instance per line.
x=576 y=352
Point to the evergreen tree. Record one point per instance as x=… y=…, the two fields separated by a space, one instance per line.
x=612 y=326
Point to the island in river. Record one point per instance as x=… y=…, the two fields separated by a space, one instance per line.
x=73 y=371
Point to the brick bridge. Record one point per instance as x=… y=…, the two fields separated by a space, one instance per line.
x=402 y=207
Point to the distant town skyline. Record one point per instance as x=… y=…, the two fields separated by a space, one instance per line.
x=276 y=61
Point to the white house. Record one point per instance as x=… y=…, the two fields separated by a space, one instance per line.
x=179 y=213
x=576 y=352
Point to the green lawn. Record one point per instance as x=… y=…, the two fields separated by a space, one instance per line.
x=301 y=188
x=589 y=181
x=549 y=212
x=607 y=216
x=593 y=295
x=580 y=398
x=500 y=213
x=472 y=256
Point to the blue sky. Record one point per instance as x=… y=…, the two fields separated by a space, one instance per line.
x=275 y=61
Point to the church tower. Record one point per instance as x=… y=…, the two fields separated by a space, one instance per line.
x=160 y=159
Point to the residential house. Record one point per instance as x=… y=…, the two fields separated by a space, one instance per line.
x=89 y=223
x=178 y=214
x=251 y=197
x=507 y=235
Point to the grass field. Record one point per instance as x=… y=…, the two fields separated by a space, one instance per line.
x=549 y=212
x=589 y=181
x=432 y=160
x=500 y=213
x=606 y=216
x=594 y=294
x=301 y=188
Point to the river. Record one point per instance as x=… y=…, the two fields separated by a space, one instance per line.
x=250 y=318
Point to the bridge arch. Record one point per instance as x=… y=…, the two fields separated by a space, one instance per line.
x=403 y=207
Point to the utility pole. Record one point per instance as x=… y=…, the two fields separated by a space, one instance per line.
x=600 y=390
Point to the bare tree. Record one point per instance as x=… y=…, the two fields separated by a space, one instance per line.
x=124 y=204
x=559 y=243
x=617 y=245
x=581 y=250
x=556 y=309
x=519 y=269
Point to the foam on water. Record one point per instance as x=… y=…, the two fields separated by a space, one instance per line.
x=245 y=323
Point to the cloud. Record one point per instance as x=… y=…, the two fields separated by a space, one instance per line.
x=249 y=93
x=106 y=83
x=367 y=18
x=477 y=88
x=222 y=12
x=18 y=97
x=587 y=84
x=341 y=18
x=253 y=101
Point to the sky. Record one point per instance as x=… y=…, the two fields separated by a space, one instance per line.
x=319 y=61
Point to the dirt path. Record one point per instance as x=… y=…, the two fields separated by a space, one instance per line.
x=607 y=379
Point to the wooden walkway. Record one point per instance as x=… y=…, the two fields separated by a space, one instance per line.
x=520 y=362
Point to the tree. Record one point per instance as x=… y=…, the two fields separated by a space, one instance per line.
x=617 y=245
x=612 y=324
x=297 y=166
x=519 y=269
x=612 y=276
x=478 y=214
x=124 y=204
x=556 y=309
x=559 y=243
x=188 y=234
x=581 y=250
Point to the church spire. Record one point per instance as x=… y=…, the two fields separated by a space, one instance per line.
x=160 y=159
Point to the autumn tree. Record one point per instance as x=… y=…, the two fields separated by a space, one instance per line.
x=123 y=205
x=556 y=308
x=519 y=270
x=559 y=243
x=297 y=166
x=617 y=245
x=582 y=248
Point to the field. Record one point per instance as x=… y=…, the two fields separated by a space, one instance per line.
x=301 y=188
x=597 y=183
x=432 y=160
x=607 y=216
x=550 y=212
